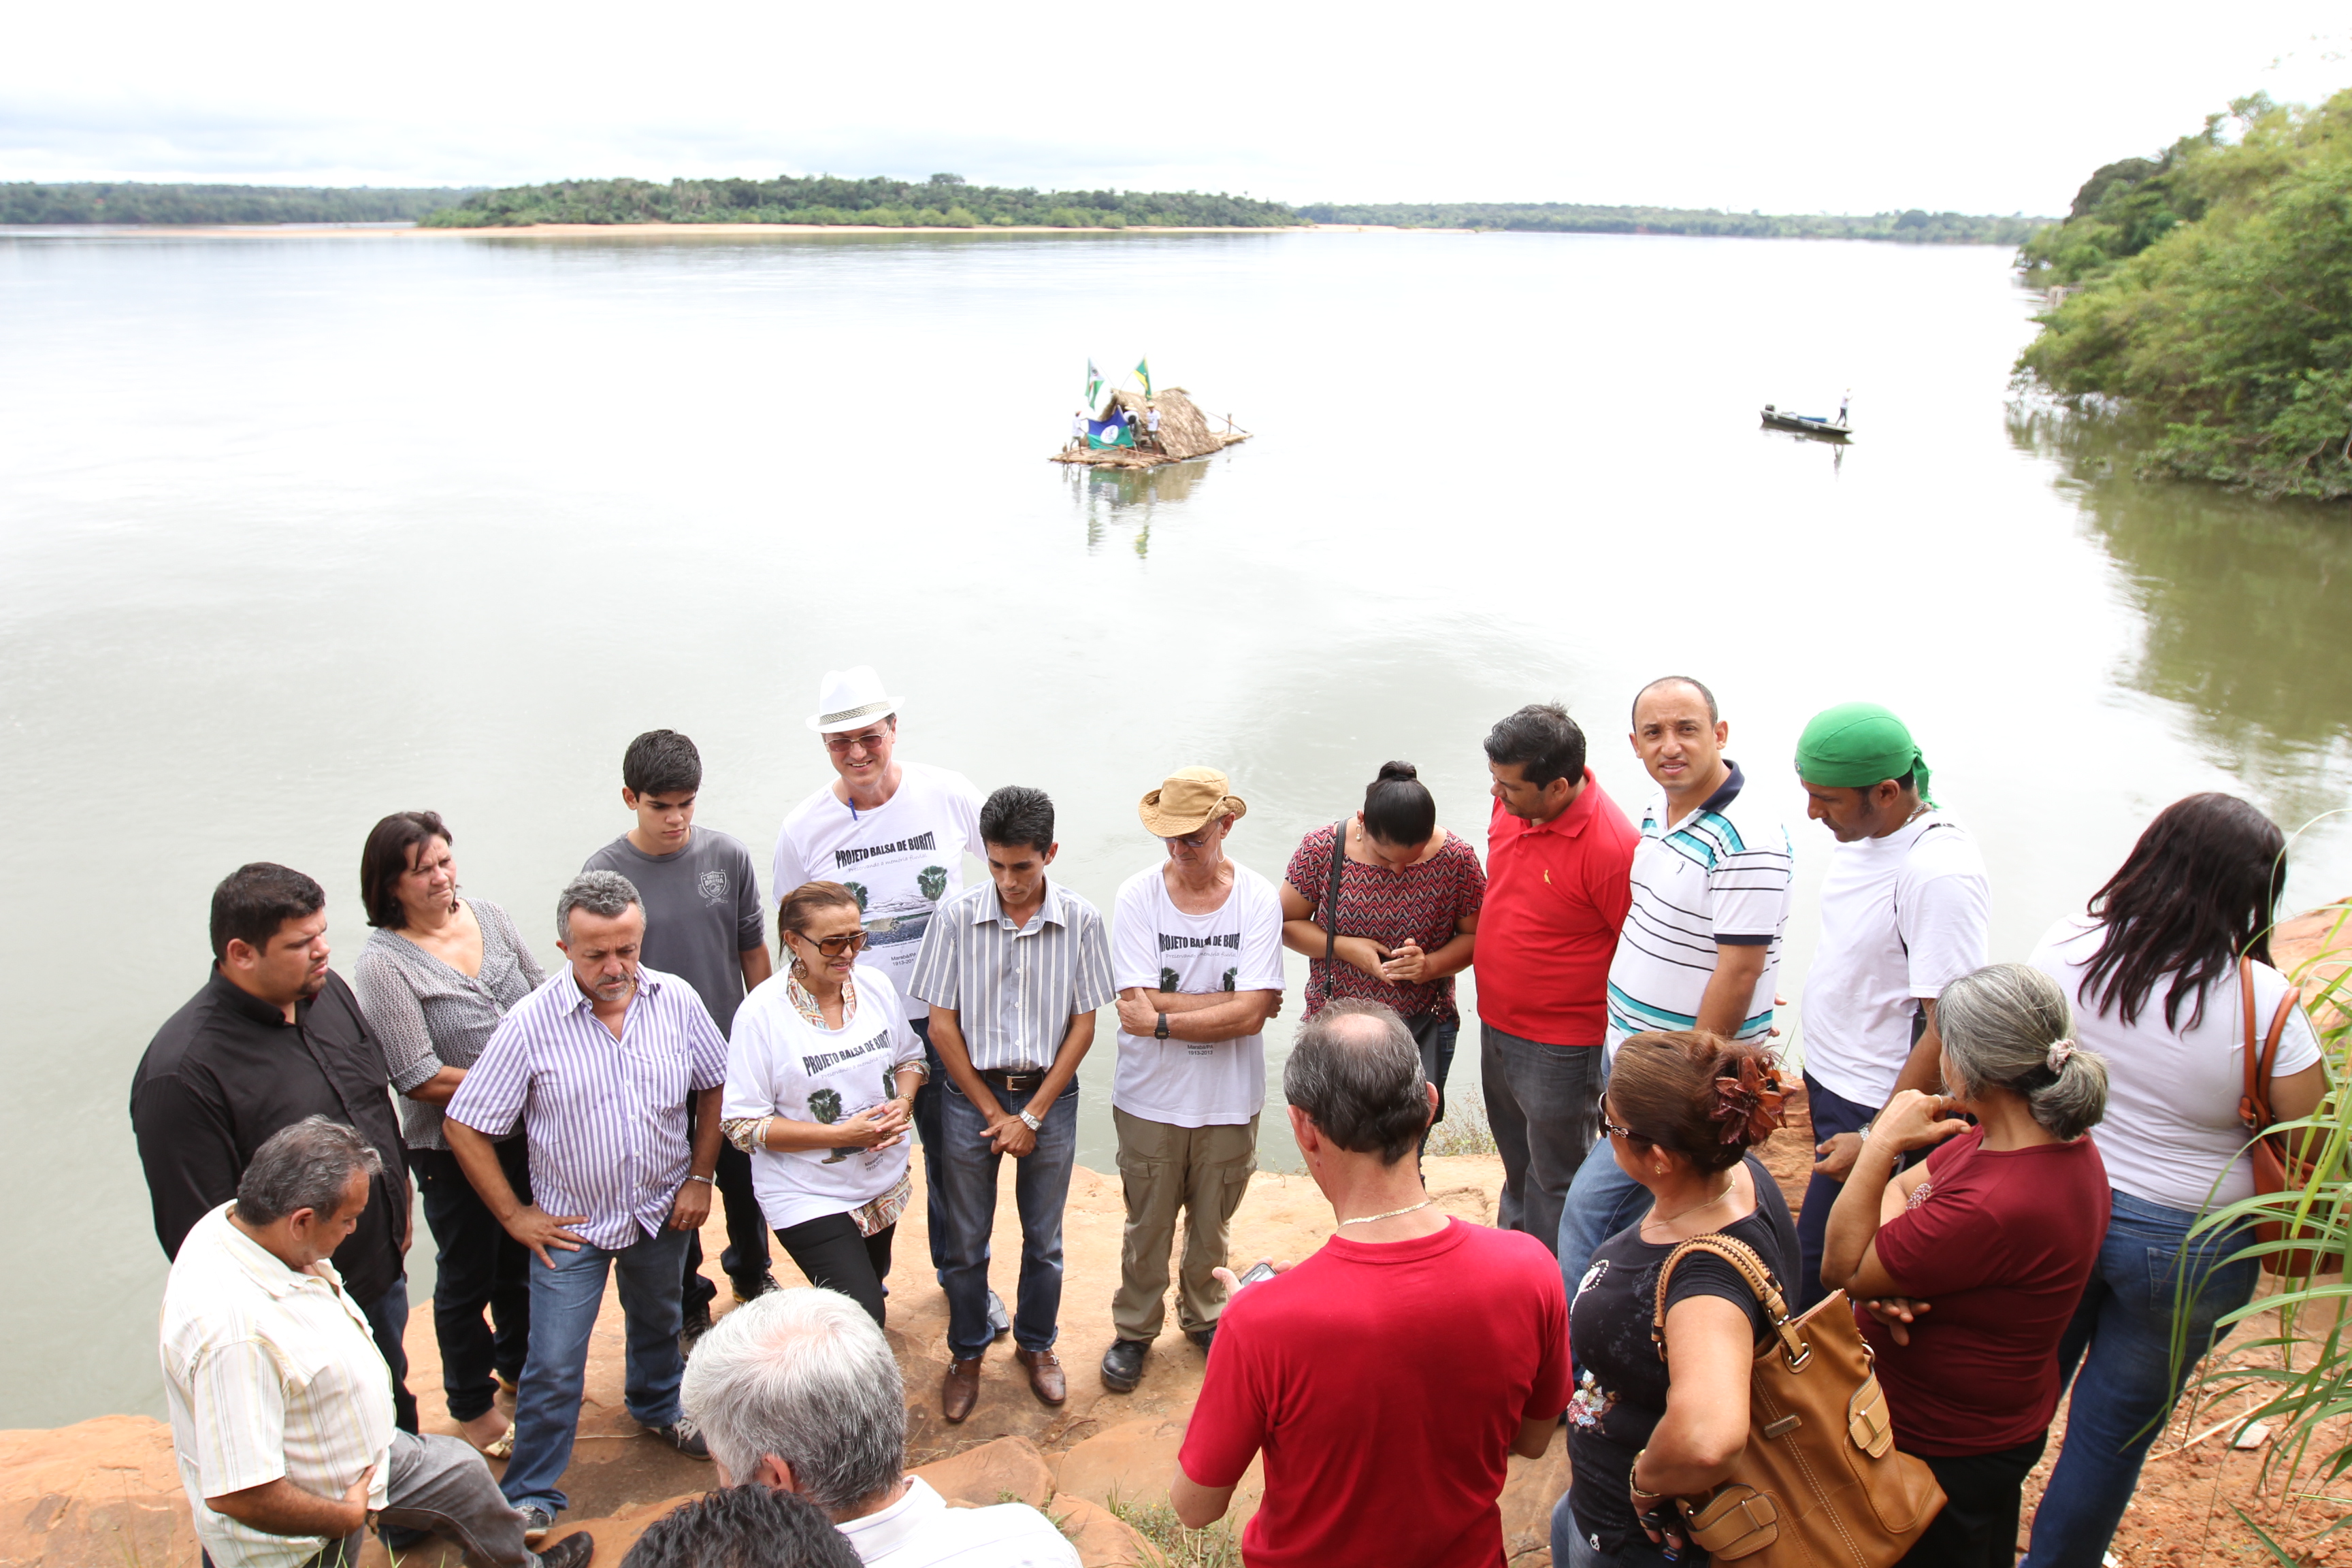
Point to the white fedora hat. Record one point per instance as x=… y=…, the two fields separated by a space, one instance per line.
x=849 y=698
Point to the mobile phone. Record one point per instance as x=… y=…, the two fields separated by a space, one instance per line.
x=1258 y=1272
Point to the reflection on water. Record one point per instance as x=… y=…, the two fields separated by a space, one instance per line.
x=1836 y=444
x=2243 y=624
x=1126 y=498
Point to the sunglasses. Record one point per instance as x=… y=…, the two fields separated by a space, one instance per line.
x=1615 y=1129
x=1200 y=840
x=868 y=739
x=834 y=946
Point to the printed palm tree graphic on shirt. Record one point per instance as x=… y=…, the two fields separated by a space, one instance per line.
x=824 y=1104
x=1168 y=980
x=932 y=881
x=1231 y=974
x=858 y=891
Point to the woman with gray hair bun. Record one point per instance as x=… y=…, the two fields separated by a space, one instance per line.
x=1973 y=1262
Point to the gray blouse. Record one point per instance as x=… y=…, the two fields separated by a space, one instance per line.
x=427 y=1016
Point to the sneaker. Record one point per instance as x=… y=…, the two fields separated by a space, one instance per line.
x=684 y=1436
x=573 y=1552
x=697 y=1324
x=536 y=1523
x=1203 y=1338
x=999 y=1322
x=1122 y=1366
x=767 y=1282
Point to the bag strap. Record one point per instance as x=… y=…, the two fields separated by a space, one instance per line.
x=1742 y=1257
x=2254 y=1105
x=1331 y=897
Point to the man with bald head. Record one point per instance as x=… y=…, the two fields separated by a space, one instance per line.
x=1702 y=938
x=1466 y=1325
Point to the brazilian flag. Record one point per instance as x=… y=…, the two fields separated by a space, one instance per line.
x=1114 y=431
x=1143 y=373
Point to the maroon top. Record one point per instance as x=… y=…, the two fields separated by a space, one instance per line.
x=2000 y=1243
x=1421 y=903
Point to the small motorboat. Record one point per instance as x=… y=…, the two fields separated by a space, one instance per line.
x=1820 y=424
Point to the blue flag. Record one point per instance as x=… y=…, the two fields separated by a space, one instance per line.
x=1114 y=431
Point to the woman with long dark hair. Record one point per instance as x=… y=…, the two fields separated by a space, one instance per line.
x=437 y=974
x=2154 y=972
x=1407 y=916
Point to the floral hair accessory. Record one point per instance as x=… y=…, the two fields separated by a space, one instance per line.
x=1749 y=1106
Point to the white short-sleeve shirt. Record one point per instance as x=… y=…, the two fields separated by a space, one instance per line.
x=919 y=1531
x=1154 y=944
x=1902 y=917
x=2171 y=1131
x=780 y=1064
x=267 y=1373
x=902 y=860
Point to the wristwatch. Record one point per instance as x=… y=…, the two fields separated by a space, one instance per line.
x=1159 y=1030
x=1030 y=1121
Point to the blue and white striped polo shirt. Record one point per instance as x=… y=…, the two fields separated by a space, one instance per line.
x=1719 y=876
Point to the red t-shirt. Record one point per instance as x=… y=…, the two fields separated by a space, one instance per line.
x=2000 y=1243
x=1556 y=897
x=1385 y=1383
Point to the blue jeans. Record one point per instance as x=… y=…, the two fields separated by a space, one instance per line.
x=1543 y=1103
x=2128 y=1383
x=968 y=1168
x=564 y=1302
x=1832 y=1114
x=1601 y=1201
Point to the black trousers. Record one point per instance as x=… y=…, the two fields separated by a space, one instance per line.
x=1978 y=1528
x=833 y=1256
x=478 y=1267
x=745 y=1261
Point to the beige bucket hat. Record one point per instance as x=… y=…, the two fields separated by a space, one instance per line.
x=1187 y=801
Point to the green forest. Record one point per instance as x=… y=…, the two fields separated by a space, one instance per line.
x=944 y=201
x=1914 y=226
x=26 y=201
x=2207 y=292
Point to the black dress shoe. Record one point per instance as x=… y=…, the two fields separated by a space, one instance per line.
x=573 y=1552
x=1122 y=1366
x=999 y=1322
x=1203 y=1338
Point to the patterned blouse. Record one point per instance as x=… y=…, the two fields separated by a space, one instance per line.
x=426 y=1015
x=1420 y=902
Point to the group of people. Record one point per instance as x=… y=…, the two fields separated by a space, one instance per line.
x=563 y=1128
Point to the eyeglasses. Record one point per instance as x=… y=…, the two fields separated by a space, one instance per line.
x=868 y=739
x=834 y=946
x=1200 y=840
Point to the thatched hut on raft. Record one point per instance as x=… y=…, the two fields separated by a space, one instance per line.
x=1185 y=433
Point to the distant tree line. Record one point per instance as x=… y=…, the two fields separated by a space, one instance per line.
x=944 y=201
x=26 y=201
x=1915 y=227
x=2210 y=297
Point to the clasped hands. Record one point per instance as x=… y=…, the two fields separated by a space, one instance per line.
x=1405 y=965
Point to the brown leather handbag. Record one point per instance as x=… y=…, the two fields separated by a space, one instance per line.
x=2277 y=1167
x=1820 y=1483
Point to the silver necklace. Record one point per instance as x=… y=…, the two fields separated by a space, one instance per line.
x=1369 y=1218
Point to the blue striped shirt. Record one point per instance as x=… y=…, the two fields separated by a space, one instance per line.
x=1015 y=989
x=1721 y=876
x=605 y=1118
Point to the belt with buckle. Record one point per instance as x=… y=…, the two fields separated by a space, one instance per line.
x=1015 y=1079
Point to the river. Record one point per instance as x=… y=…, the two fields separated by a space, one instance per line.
x=300 y=529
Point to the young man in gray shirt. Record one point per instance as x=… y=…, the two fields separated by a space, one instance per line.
x=705 y=924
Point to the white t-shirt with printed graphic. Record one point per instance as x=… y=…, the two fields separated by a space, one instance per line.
x=1186 y=1083
x=902 y=860
x=780 y=1064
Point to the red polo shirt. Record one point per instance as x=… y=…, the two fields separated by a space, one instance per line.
x=1557 y=894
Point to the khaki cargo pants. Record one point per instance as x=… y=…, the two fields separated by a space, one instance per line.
x=1202 y=1170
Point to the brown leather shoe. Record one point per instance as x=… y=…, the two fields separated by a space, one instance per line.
x=962 y=1390
x=1046 y=1379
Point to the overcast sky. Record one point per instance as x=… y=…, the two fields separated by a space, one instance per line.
x=1863 y=107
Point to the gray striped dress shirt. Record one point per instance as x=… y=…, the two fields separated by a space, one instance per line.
x=1015 y=989
x=605 y=1118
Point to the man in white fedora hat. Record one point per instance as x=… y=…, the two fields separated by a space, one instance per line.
x=894 y=834
x=1196 y=955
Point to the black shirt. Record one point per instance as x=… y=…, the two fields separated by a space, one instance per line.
x=226 y=1072
x=1621 y=1394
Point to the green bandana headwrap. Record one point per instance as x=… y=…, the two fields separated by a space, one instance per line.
x=1857 y=744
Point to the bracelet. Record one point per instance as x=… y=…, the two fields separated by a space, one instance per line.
x=706 y=1181
x=1634 y=1486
